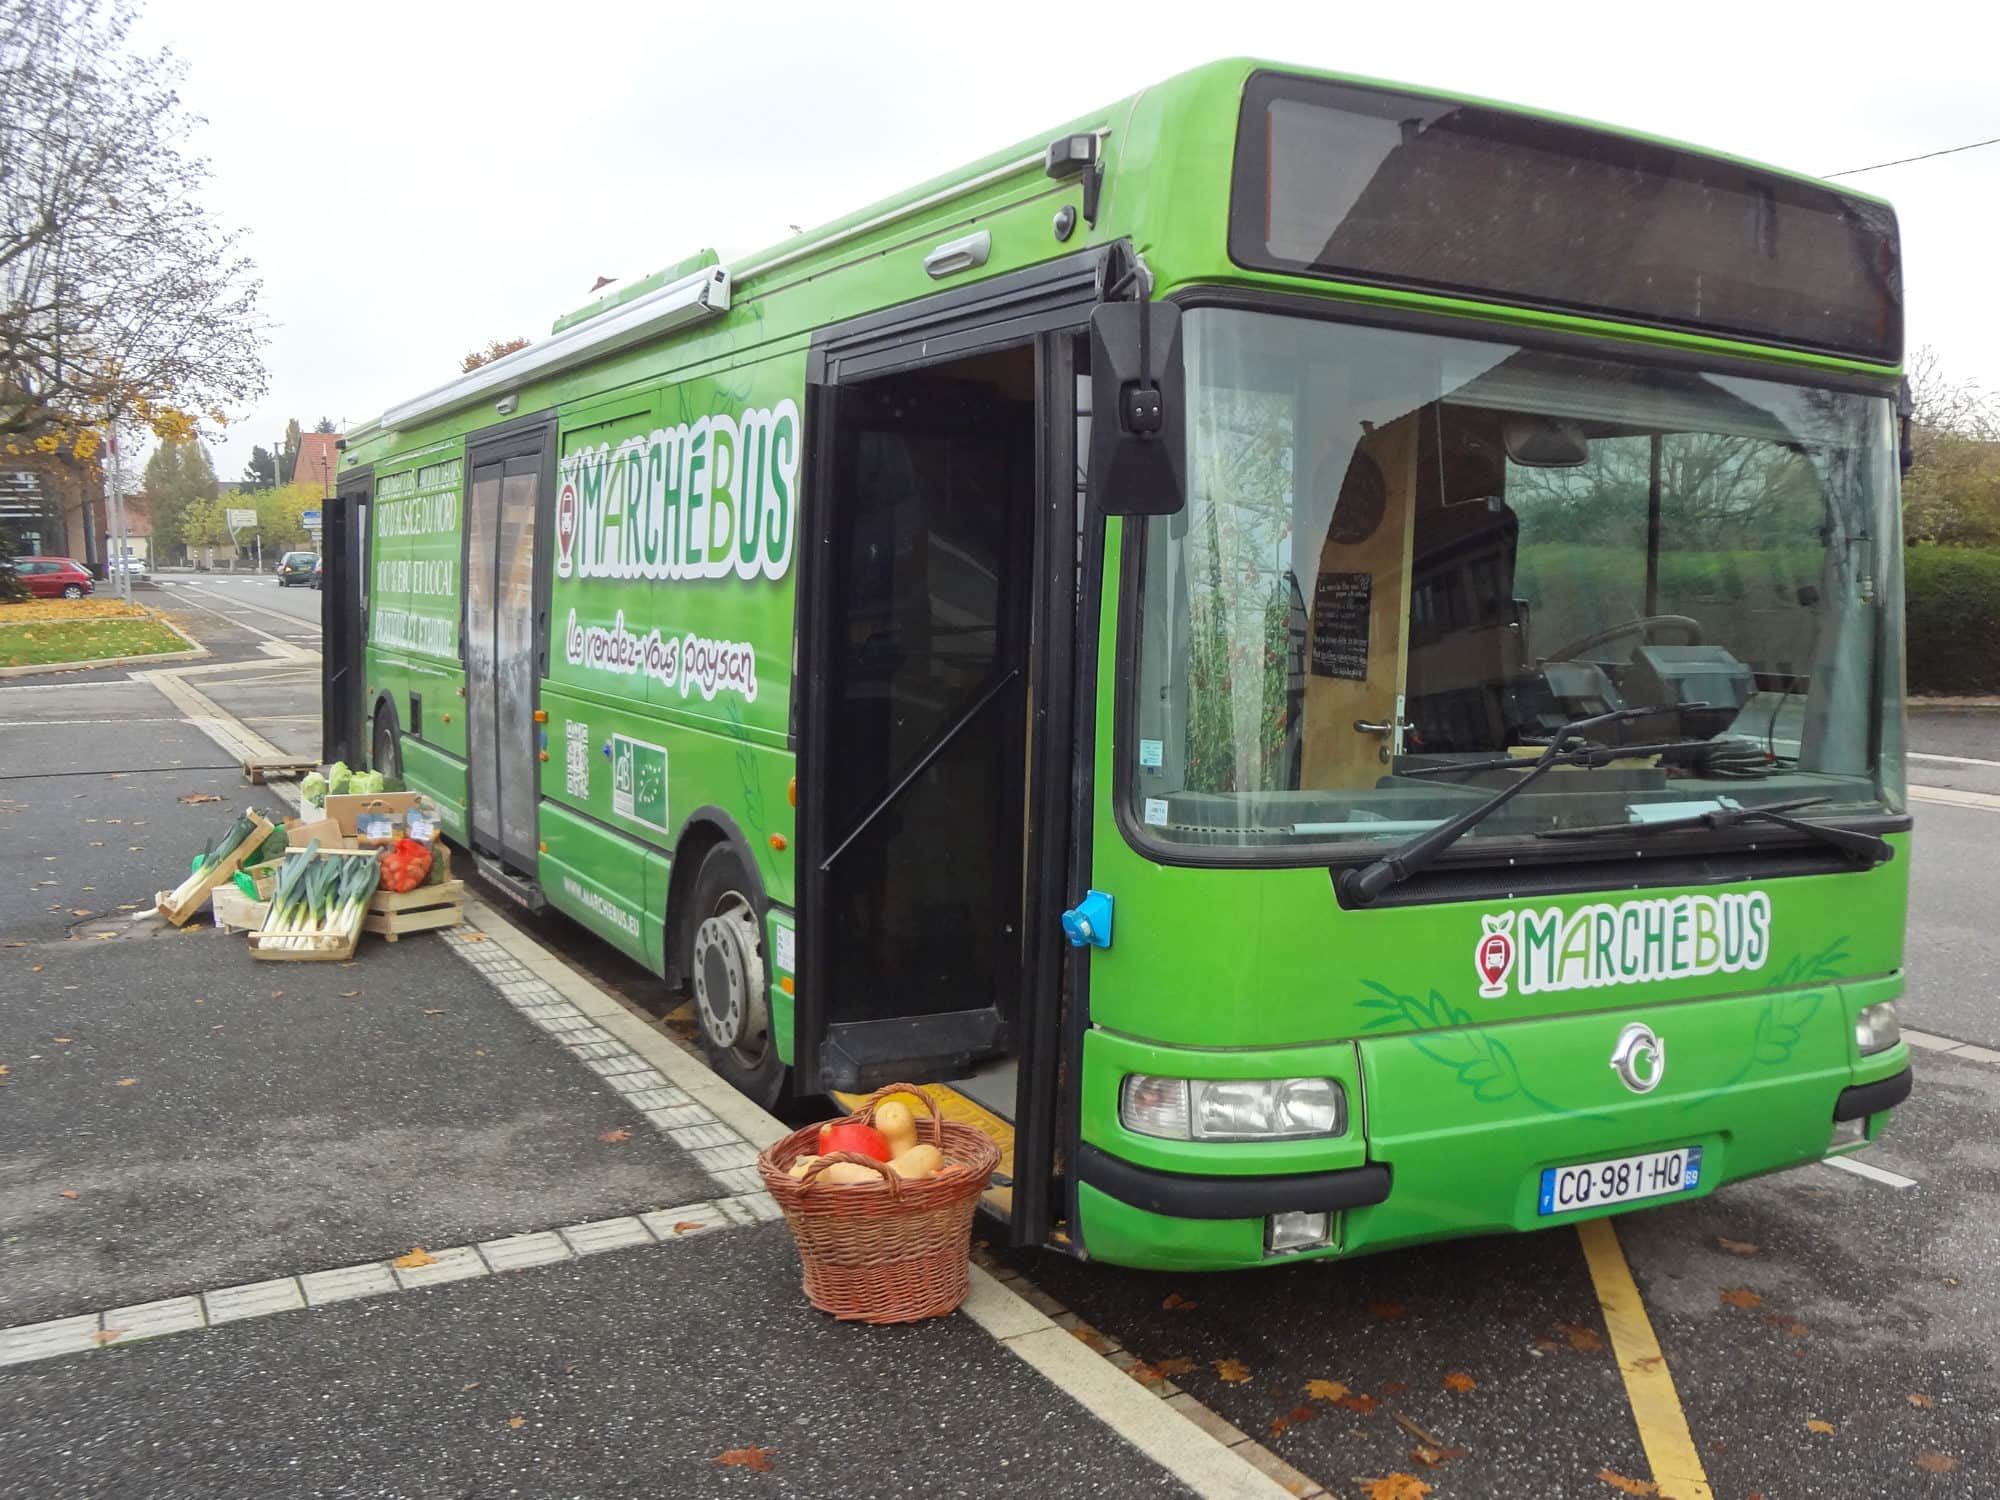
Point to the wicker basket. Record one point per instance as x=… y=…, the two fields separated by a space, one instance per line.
x=889 y=1251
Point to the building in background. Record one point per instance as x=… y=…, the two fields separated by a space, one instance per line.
x=317 y=461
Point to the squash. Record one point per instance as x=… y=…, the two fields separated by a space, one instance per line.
x=917 y=1163
x=898 y=1126
x=797 y=1170
x=848 y=1171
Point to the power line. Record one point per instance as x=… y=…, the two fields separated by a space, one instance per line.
x=1899 y=161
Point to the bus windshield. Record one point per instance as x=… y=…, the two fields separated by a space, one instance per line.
x=1406 y=560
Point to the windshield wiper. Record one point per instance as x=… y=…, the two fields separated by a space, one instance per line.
x=1590 y=755
x=1360 y=886
x=1861 y=846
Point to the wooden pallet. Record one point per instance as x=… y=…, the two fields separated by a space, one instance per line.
x=270 y=768
x=394 y=914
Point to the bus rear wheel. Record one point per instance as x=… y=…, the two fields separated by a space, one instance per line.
x=724 y=962
x=385 y=755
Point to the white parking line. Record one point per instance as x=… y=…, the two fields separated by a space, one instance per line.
x=1869 y=1170
x=1952 y=797
x=1956 y=760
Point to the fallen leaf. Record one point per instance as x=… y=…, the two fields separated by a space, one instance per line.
x=1933 y=1462
x=517 y=1422
x=470 y=1385
x=349 y=994
x=1178 y=1364
x=1090 y=1338
x=193 y=797
x=1325 y=1390
x=747 y=1458
x=1583 y=1340
x=34 y=968
x=417 y=1257
x=277 y=994
x=1398 y=1486
x=1922 y=1403
x=1822 y=1428
x=1278 y=1426
x=13 y=945
x=1736 y=1247
x=81 y=911
x=1618 y=1481
x=434 y=1010
x=1175 y=1302
x=1459 y=1381
x=1428 y=1439
x=685 y=1225
x=1144 y=1373
x=62 y=1041
x=1386 y=1311
x=102 y=935
x=472 y=937
x=126 y=1083
x=1395 y=1387
x=1431 y=1457
x=1358 y=1402
x=1742 y=1296
x=478 y=1051
x=1303 y=1413
x=70 y=1193
x=1234 y=1371
x=3 y=1070
x=106 y=1335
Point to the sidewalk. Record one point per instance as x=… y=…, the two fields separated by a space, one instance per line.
x=214 y=1172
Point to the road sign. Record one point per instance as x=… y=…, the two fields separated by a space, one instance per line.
x=309 y=519
x=239 y=520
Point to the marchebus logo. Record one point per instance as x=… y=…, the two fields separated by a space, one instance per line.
x=1625 y=942
x=704 y=499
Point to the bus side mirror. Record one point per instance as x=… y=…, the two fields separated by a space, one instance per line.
x=1906 y=412
x=1138 y=413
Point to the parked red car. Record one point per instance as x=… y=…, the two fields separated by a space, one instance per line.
x=54 y=577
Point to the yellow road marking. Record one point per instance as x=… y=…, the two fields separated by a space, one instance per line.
x=1649 y=1385
x=956 y=1107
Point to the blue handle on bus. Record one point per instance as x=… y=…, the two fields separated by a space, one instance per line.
x=1088 y=923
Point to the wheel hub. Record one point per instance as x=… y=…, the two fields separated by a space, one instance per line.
x=729 y=980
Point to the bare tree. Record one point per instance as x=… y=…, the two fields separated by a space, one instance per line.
x=120 y=298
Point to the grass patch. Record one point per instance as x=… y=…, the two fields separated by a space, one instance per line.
x=96 y=607
x=33 y=643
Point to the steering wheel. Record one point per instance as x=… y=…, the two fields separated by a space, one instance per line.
x=1643 y=626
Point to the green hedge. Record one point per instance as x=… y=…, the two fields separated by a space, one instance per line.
x=1952 y=605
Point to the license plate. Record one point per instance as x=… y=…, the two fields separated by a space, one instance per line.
x=1623 y=1179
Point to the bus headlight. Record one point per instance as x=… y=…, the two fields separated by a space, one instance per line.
x=1232 y=1109
x=1875 y=1028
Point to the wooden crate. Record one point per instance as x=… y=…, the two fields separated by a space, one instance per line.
x=318 y=949
x=321 y=949
x=236 y=912
x=262 y=770
x=394 y=914
x=224 y=868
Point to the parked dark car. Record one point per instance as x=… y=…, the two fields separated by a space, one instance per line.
x=296 y=567
x=54 y=577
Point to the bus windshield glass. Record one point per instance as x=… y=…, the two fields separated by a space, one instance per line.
x=1406 y=560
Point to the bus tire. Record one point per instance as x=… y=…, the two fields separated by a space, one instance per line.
x=723 y=959
x=385 y=751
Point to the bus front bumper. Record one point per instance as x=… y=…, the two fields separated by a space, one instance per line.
x=1460 y=1128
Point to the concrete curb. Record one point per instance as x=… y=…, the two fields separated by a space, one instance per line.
x=1164 y=1432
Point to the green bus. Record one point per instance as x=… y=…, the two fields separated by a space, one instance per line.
x=1326 y=659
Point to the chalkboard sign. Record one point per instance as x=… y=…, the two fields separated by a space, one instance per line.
x=1340 y=625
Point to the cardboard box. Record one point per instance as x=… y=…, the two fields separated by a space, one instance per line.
x=299 y=832
x=345 y=810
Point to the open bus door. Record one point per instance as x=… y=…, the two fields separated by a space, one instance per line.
x=343 y=605
x=936 y=682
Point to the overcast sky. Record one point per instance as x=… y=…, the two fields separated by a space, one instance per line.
x=421 y=177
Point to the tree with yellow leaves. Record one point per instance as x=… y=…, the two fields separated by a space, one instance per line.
x=121 y=300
